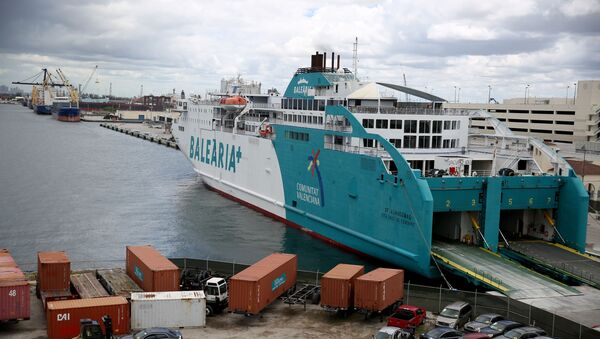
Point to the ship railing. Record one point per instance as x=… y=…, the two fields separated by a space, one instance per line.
x=375 y=152
x=338 y=126
x=408 y=110
x=266 y=105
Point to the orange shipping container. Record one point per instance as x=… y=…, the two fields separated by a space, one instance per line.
x=6 y=260
x=54 y=272
x=379 y=289
x=63 y=316
x=337 y=286
x=254 y=288
x=151 y=270
x=14 y=294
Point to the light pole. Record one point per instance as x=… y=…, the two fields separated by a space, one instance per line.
x=526 y=89
x=567 y=96
x=454 y=94
x=459 y=94
x=574 y=93
x=489 y=93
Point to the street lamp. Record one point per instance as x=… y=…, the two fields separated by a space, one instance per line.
x=489 y=93
x=574 y=92
x=526 y=89
x=459 y=94
x=567 y=96
x=454 y=94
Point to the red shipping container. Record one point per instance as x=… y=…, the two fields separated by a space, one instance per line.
x=378 y=289
x=54 y=272
x=63 y=316
x=151 y=270
x=14 y=294
x=6 y=260
x=337 y=286
x=55 y=296
x=254 y=288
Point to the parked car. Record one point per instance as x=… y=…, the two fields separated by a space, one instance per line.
x=476 y=335
x=391 y=332
x=500 y=327
x=442 y=333
x=155 y=333
x=481 y=321
x=455 y=315
x=523 y=333
x=407 y=317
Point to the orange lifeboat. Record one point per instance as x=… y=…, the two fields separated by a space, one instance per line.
x=234 y=103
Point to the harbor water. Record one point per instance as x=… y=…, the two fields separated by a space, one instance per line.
x=91 y=191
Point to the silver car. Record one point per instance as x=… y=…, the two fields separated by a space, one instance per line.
x=455 y=315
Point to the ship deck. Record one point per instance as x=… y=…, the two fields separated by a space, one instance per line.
x=492 y=270
x=557 y=260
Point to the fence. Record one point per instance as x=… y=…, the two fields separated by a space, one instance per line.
x=435 y=298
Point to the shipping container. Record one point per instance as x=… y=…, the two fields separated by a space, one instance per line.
x=168 y=309
x=379 y=289
x=55 y=296
x=117 y=282
x=151 y=270
x=6 y=260
x=254 y=288
x=63 y=316
x=14 y=294
x=86 y=285
x=337 y=286
x=54 y=271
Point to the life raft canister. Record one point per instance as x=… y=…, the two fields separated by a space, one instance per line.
x=265 y=131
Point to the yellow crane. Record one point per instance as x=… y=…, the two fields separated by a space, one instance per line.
x=72 y=91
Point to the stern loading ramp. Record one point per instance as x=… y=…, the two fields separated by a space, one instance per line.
x=483 y=267
x=557 y=260
x=486 y=211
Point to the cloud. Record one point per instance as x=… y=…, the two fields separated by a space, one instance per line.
x=191 y=45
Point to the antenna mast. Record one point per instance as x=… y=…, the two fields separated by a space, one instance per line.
x=355 y=58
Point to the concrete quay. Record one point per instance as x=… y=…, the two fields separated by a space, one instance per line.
x=144 y=131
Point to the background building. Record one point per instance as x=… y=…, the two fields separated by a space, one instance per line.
x=560 y=120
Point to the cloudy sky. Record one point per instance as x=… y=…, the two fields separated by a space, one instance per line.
x=191 y=45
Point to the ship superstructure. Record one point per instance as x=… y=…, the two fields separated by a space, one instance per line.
x=396 y=180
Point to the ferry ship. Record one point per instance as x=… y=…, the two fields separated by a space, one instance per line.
x=409 y=183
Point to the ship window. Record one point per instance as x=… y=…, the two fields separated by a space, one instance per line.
x=320 y=120
x=423 y=141
x=446 y=144
x=296 y=135
x=410 y=126
x=336 y=88
x=396 y=142
x=425 y=126
x=453 y=124
x=436 y=141
x=437 y=126
x=367 y=123
x=304 y=118
x=453 y=143
x=410 y=141
x=446 y=125
x=381 y=123
x=395 y=124
x=368 y=143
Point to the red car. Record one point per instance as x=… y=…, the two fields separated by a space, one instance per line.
x=407 y=317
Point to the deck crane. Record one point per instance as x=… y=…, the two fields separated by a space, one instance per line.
x=46 y=82
x=72 y=91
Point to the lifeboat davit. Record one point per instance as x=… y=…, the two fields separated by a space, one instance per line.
x=235 y=103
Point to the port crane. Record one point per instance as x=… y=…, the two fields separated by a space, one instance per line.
x=87 y=82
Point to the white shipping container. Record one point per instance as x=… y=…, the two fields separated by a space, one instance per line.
x=168 y=309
